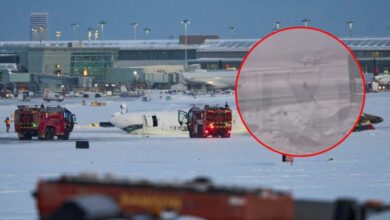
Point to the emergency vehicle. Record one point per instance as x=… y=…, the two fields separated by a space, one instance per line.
x=90 y=197
x=207 y=121
x=45 y=123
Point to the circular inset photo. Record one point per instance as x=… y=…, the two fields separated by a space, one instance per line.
x=300 y=91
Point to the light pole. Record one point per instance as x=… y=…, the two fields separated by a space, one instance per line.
x=388 y=28
x=277 y=25
x=135 y=24
x=74 y=26
x=350 y=24
x=306 y=22
x=58 y=35
x=231 y=30
x=89 y=36
x=147 y=30
x=135 y=78
x=38 y=30
x=34 y=33
x=185 y=22
x=102 y=23
x=96 y=35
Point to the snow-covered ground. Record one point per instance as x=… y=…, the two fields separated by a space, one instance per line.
x=360 y=167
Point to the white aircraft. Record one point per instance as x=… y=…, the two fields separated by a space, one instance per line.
x=383 y=79
x=217 y=79
x=9 y=67
x=164 y=123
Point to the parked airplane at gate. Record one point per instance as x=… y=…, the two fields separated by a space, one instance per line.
x=223 y=79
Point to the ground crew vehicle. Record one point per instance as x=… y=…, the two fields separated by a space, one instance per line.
x=207 y=121
x=90 y=197
x=46 y=123
x=52 y=96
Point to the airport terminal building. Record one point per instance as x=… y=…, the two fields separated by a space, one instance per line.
x=153 y=63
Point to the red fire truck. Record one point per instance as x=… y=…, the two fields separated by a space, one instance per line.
x=111 y=198
x=46 y=123
x=90 y=197
x=207 y=121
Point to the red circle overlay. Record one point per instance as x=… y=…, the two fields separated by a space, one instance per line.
x=306 y=61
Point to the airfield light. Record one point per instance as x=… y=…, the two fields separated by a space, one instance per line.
x=147 y=31
x=74 y=26
x=34 y=32
x=96 y=35
x=102 y=23
x=58 y=35
x=306 y=22
x=135 y=24
x=57 y=69
x=277 y=25
x=38 y=30
x=89 y=35
x=350 y=24
x=231 y=30
x=85 y=72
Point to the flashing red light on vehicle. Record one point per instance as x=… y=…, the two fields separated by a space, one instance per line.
x=215 y=121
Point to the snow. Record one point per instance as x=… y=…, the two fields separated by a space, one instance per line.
x=360 y=167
